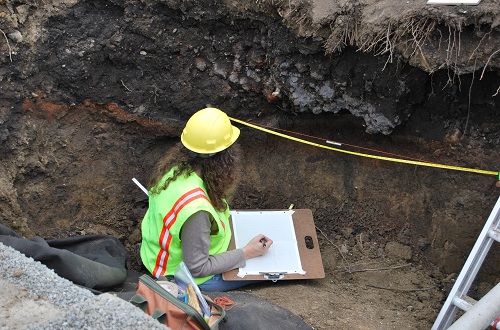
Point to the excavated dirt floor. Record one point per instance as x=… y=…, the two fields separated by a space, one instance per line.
x=95 y=92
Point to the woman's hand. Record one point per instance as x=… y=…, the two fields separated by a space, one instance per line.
x=257 y=246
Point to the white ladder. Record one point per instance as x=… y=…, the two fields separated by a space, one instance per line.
x=458 y=299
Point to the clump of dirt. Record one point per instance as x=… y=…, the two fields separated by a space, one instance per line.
x=95 y=92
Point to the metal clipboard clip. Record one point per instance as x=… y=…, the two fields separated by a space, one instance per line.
x=274 y=276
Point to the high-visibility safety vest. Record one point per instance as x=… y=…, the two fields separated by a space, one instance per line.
x=161 y=250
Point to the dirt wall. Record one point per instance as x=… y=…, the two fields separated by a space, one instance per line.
x=94 y=92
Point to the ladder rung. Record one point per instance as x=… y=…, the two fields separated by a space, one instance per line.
x=495 y=234
x=465 y=303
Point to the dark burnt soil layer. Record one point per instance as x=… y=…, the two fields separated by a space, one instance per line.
x=161 y=59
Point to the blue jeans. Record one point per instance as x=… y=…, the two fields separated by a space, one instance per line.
x=216 y=283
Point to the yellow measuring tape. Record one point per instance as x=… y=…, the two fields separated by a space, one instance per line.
x=405 y=161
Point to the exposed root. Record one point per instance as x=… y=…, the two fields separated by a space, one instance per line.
x=488 y=62
x=411 y=33
x=422 y=38
x=468 y=104
x=378 y=269
x=452 y=54
x=8 y=45
x=420 y=31
x=295 y=14
x=399 y=290
x=343 y=35
x=431 y=40
x=479 y=44
x=123 y=84
x=498 y=91
x=486 y=65
x=347 y=266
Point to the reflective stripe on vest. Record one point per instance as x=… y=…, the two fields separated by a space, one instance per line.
x=168 y=221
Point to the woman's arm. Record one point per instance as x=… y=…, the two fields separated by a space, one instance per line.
x=195 y=242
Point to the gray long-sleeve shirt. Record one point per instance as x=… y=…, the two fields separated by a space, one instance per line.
x=195 y=242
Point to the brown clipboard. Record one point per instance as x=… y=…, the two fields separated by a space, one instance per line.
x=309 y=252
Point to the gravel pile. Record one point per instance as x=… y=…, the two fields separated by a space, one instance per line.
x=34 y=297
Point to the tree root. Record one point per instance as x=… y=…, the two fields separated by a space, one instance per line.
x=399 y=290
x=8 y=45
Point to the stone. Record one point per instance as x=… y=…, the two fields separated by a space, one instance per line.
x=398 y=251
x=15 y=36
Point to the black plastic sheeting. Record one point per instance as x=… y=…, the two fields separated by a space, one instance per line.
x=252 y=312
x=93 y=261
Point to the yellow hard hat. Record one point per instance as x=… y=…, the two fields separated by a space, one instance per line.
x=209 y=131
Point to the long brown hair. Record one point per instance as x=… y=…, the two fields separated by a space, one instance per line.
x=219 y=172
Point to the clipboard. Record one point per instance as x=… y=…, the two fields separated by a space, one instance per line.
x=308 y=248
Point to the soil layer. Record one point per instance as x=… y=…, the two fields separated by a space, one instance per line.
x=95 y=92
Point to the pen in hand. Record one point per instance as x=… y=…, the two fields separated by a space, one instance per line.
x=254 y=249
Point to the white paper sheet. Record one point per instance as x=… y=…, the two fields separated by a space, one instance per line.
x=283 y=256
